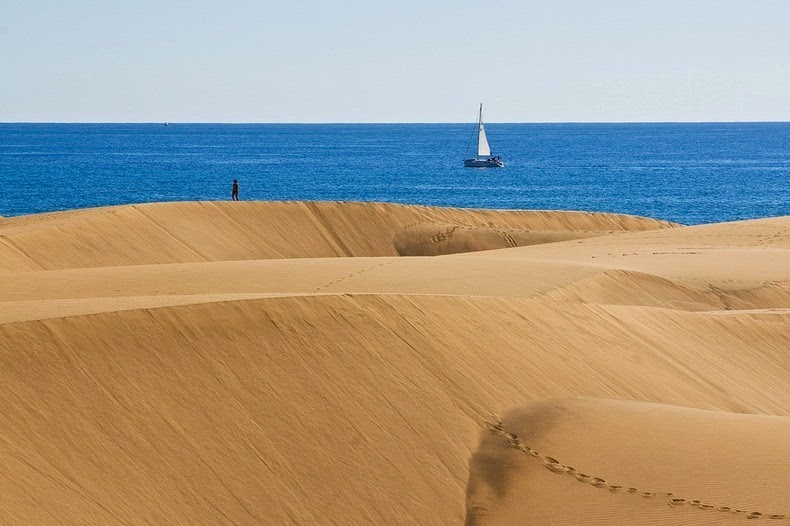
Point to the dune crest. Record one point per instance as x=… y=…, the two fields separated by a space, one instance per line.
x=228 y=231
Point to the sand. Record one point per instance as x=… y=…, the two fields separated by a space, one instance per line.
x=362 y=363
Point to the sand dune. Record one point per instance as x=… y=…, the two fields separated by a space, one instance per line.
x=210 y=231
x=300 y=363
x=551 y=462
x=724 y=255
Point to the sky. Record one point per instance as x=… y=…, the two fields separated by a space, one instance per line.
x=405 y=61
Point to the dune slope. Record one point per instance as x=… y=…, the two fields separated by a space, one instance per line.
x=337 y=407
x=620 y=462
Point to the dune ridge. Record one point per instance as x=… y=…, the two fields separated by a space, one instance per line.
x=307 y=363
x=219 y=231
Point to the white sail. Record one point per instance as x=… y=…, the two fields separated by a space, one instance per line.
x=483 y=150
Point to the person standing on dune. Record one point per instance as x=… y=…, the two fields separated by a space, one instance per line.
x=234 y=193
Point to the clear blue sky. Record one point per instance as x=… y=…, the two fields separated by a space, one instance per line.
x=406 y=61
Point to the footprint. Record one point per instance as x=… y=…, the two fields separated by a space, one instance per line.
x=555 y=468
x=648 y=494
x=677 y=502
x=776 y=516
x=754 y=515
x=614 y=488
x=598 y=482
x=724 y=508
x=553 y=465
x=633 y=490
x=495 y=428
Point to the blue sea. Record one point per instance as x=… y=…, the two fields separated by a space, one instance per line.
x=690 y=172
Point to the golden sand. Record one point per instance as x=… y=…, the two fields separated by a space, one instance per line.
x=271 y=363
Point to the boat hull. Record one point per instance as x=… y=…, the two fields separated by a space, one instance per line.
x=493 y=162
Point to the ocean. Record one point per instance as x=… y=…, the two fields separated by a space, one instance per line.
x=690 y=173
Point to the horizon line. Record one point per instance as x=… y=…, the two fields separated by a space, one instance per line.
x=161 y=123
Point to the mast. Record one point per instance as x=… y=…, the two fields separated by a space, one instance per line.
x=479 y=126
x=483 y=149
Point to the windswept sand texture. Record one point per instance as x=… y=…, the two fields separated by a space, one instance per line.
x=270 y=363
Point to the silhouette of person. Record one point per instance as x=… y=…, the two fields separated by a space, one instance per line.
x=234 y=193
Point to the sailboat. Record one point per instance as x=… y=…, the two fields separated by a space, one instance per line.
x=483 y=159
